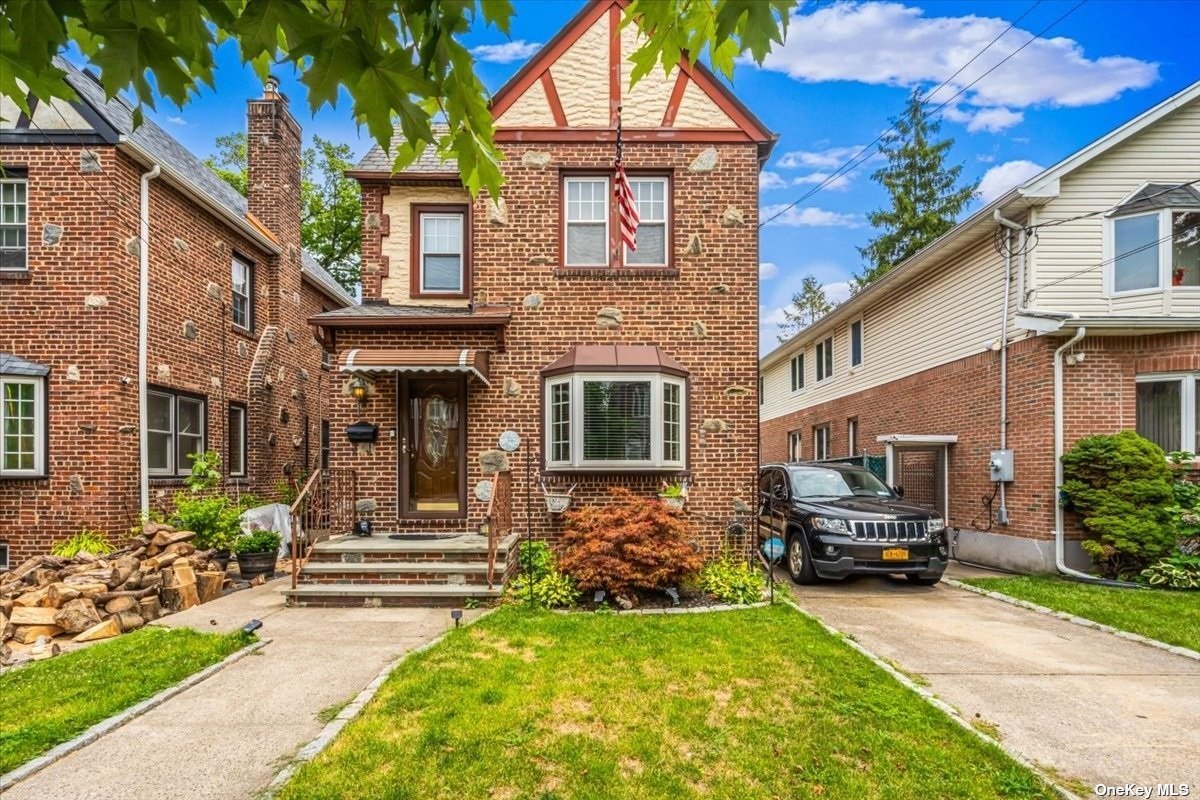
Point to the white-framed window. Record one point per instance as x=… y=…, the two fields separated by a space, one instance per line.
x=620 y=420
x=441 y=252
x=586 y=220
x=22 y=427
x=175 y=429
x=1168 y=410
x=852 y=436
x=242 y=283
x=797 y=371
x=820 y=442
x=856 y=342
x=795 y=446
x=13 y=209
x=652 y=195
x=1147 y=252
x=235 y=462
x=825 y=359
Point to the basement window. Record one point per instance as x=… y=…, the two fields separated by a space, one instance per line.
x=1168 y=411
x=176 y=428
x=13 y=208
x=795 y=446
x=820 y=435
x=22 y=427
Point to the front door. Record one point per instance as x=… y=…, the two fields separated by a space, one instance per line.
x=433 y=431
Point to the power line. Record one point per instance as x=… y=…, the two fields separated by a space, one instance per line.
x=854 y=161
x=1148 y=246
x=1054 y=222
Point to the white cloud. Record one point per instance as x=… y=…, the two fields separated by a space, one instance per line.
x=829 y=158
x=177 y=120
x=891 y=44
x=1002 y=177
x=838 y=184
x=767 y=270
x=770 y=180
x=505 y=52
x=808 y=217
x=838 y=292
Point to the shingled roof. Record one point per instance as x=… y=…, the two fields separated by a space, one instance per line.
x=429 y=162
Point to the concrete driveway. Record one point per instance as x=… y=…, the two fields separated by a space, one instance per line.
x=1089 y=705
x=225 y=738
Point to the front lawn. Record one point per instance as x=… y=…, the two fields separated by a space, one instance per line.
x=761 y=703
x=1168 y=616
x=50 y=702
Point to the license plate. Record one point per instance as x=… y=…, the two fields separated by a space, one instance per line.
x=895 y=554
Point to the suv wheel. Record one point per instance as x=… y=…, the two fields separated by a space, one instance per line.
x=919 y=581
x=799 y=565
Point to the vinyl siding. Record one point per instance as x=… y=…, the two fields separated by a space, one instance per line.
x=1168 y=152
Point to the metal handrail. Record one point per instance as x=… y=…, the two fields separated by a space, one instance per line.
x=498 y=519
x=300 y=498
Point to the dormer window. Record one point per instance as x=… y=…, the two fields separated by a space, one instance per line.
x=440 y=251
x=1154 y=240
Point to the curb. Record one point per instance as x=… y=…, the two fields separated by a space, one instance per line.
x=106 y=726
x=1084 y=621
x=935 y=701
x=347 y=714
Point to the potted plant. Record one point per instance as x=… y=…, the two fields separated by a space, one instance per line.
x=557 y=502
x=257 y=553
x=674 y=495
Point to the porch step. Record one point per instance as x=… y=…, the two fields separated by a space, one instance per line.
x=380 y=549
x=376 y=595
x=454 y=573
x=396 y=567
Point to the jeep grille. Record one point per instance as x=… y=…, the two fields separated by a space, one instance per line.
x=888 y=531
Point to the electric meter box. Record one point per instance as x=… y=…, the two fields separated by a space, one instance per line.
x=1000 y=465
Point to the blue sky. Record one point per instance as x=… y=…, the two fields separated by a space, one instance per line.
x=844 y=71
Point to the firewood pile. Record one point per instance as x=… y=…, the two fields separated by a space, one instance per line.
x=91 y=597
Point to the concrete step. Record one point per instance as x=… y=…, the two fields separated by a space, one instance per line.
x=380 y=549
x=376 y=595
x=455 y=573
x=397 y=567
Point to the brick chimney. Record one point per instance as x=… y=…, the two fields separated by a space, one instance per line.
x=273 y=147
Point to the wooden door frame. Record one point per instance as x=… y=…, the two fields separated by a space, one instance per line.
x=403 y=484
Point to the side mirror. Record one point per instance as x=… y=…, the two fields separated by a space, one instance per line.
x=899 y=490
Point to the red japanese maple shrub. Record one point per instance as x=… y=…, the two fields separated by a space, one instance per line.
x=631 y=543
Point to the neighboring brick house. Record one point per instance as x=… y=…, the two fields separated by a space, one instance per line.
x=1082 y=318
x=229 y=293
x=614 y=368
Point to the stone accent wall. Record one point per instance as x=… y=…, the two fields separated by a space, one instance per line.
x=702 y=311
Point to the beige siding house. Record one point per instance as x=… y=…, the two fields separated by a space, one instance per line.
x=1069 y=306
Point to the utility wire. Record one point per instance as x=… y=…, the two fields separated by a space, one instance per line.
x=1053 y=222
x=857 y=160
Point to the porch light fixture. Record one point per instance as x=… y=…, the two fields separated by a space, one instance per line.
x=359 y=390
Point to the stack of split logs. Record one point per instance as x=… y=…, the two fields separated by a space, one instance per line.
x=92 y=597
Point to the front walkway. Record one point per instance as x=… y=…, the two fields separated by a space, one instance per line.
x=1088 y=704
x=227 y=736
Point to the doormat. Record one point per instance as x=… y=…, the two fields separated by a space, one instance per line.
x=418 y=537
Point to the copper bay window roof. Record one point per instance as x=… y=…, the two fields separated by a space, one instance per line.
x=376 y=360
x=616 y=358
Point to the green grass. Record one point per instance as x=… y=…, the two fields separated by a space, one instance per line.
x=753 y=704
x=50 y=702
x=1168 y=616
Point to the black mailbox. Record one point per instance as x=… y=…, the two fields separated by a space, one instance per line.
x=362 y=433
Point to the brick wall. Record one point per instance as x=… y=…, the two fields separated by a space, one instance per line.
x=703 y=313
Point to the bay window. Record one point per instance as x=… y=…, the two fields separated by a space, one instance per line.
x=1153 y=240
x=620 y=420
x=22 y=427
x=1168 y=411
x=175 y=429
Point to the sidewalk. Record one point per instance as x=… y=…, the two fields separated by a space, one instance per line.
x=1088 y=704
x=227 y=736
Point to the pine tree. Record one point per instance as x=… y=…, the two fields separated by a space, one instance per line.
x=808 y=305
x=926 y=199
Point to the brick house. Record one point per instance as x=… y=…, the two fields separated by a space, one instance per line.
x=523 y=315
x=230 y=362
x=1068 y=307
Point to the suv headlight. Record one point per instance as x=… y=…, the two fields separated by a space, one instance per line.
x=936 y=525
x=831 y=525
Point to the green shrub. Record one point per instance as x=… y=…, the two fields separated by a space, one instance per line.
x=94 y=542
x=536 y=558
x=206 y=471
x=552 y=589
x=257 y=542
x=1177 y=572
x=215 y=520
x=1121 y=486
x=732 y=580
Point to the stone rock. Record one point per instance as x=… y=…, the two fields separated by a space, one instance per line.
x=497 y=211
x=127 y=429
x=95 y=301
x=694 y=247
x=272 y=438
x=538 y=261
x=302 y=375
x=511 y=387
x=372 y=221
x=532 y=300
x=295 y=298
x=736 y=391
x=535 y=158
x=297 y=441
x=740 y=506
x=719 y=288
x=213 y=290
x=190 y=331
x=284 y=415
x=180 y=245
x=76 y=484
x=492 y=461
x=214 y=382
x=163 y=372
x=699 y=329
x=220 y=245
x=73 y=373
x=609 y=317
x=705 y=162
x=733 y=218
x=714 y=426
x=133 y=246
x=481 y=297
x=51 y=234
x=89 y=161
x=287 y=334
x=366 y=505
x=242 y=349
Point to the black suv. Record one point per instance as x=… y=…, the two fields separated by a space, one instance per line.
x=835 y=520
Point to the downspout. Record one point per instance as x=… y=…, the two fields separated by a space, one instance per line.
x=143 y=335
x=1003 y=515
x=1059 y=544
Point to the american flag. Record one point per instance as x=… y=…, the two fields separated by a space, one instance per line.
x=627 y=213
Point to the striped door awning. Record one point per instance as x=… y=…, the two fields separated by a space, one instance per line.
x=467 y=360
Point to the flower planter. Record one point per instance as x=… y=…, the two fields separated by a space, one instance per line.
x=251 y=565
x=673 y=502
x=557 y=503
